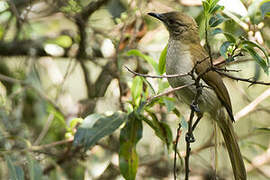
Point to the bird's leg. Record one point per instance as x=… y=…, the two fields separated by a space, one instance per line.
x=199 y=117
x=190 y=137
x=195 y=108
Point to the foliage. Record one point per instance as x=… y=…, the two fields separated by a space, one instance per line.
x=96 y=126
x=68 y=107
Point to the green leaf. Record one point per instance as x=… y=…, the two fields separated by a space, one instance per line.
x=184 y=123
x=169 y=103
x=128 y=160
x=216 y=20
x=129 y=137
x=213 y=3
x=267 y=130
x=230 y=37
x=224 y=47
x=150 y=60
x=63 y=41
x=258 y=58
x=150 y=85
x=162 y=130
x=72 y=6
x=263 y=147
x=162 y=61
x=206 y=6
x=216 y=31
x=265 y=9
x=73 y=123
x=216 y=9
x=176 y=112
x=35 y=171
x=15 y=172
x=252 y=44
x=162 y=85
x=136 y=89
x=95 y=127
x=57 y=115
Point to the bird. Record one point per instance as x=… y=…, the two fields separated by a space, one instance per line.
x=185 y=54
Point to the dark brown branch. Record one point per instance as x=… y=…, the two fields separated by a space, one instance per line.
x=91 y=8
x=242 y=79
x=23 y=47
x=81 y=21
x=193 y=107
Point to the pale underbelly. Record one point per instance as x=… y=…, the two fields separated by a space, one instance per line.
x=208 y=100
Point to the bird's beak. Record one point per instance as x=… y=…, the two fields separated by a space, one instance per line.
x=158 y=16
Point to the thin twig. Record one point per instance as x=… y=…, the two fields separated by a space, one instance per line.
x=40 y=93
x=156 y=76
x=45 y=129
x=11 y=80
x=251 y=107
x=226 y=70
x=168 y=92
x=53 y=144
x=175 y=151
x=242 y=79
x=259 y=161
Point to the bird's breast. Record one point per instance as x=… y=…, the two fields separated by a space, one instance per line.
x=178 y=58
x=179 y=61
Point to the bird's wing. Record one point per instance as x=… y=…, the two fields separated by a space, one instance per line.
x=213 y=79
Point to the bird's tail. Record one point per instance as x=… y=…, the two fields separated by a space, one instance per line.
x=225 y=125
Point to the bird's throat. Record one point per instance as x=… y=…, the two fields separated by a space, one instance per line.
x=179 y=58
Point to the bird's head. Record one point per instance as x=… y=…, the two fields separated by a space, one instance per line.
x=178 y=24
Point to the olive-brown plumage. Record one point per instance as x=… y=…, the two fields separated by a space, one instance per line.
x=183 y=52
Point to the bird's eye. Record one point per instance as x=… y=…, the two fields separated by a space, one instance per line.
x=170 y=21
x=180 y=23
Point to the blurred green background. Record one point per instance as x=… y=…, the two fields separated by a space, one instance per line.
x=63 y=60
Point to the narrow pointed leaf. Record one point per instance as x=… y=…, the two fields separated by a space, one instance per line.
x=216 y=31
x=265 y=9
x=258 y=58
x=129 y=137
x=150 y=60
x=162 y=130
x=35 y=171
x=230 y=37
x=206 y=6
x=15 y=172
x=216 y=20
x=216 y=9
x=168 y=103
x=252 y=44
x=96 y=127
x=224 y=47
x=136 y=89
x=162 y=61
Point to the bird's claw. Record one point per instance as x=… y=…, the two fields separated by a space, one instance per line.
x=195 y=107
x=190 y=138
